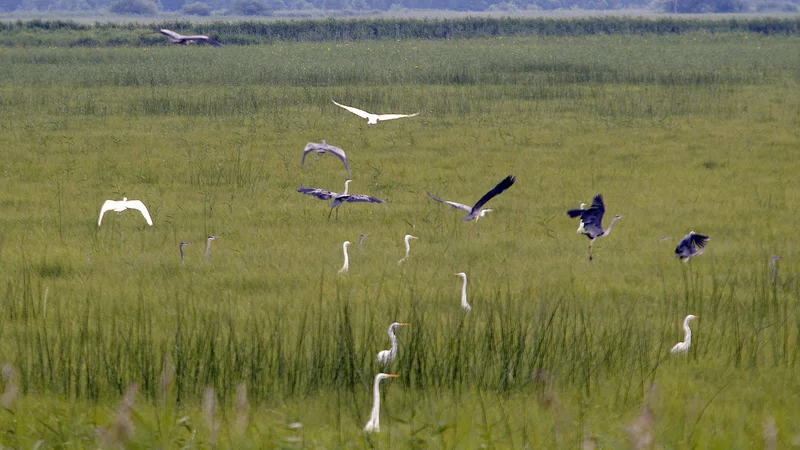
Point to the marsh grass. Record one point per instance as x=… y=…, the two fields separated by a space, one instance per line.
x=678 y=133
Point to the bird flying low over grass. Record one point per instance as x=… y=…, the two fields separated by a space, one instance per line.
x=475 y=211
x=373 y=119
x=338 y=199
x=592 y=221
x=692 y=244
x=177 y=38
x=323 y=148
x=122 y=205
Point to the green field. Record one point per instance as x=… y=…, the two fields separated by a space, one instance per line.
x=692 y=132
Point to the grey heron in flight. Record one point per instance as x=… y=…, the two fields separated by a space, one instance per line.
x=208 y=245
x=772 y=269
x=180 y=248
x=407 y=238
x=122 y=205
x=338 y=199
x=592 y=221
x=346 y=265
x=683 y=347
x=373 y=119
x=692 y=244
x=177 y=38
x=323 y=148
x=475 y=212
x=385 y=357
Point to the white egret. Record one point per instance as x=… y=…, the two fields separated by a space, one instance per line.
x=591 y=221
x=346 y=265
x=322 y=194
x=475 y=211
x=385 y=357
x=323 y=148
x=374 y=424
x=683 y=347
x=208 y=245
x=122 y=205
x=408 y=247
x=464 y=303
x=373 y=119
x=692 y=244
x=176 y=38
x=180 y=248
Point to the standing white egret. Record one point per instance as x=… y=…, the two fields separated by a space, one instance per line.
x=361 y=240
x=385 y=357
x=772 y=270
x=180 y=248
x=122 y=205
x=322 y=194
x=464 y=303
x=208 y=245
x=321 y=149
x=408 y=247
x=682 y=347
x=373 y=119
x=475 y=211
x=346 y=265
x=692 y=244
x=176 y=38
x=591 y=221
x=374 y=424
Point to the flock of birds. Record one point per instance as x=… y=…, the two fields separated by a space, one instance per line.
x=591 y=226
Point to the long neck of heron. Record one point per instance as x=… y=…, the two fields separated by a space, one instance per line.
x=393 y=350
x=608 y=230
x=346 y=259
x=687 y=338
x=374 y=418
x=346 y=187
x=208 y=248
x=464 y=293
x=408 y=248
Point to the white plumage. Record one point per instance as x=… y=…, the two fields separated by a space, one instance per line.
x=122 y=205
x=683 y=347
x=373 y=119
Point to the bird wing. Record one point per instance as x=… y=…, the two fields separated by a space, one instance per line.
x=321 y=194
x=497 y=190
x=684 y=247
x=395 y=116
x=138 y=205
x=597 y=203
x=356 y=111
x=593 y=217
x=107 y=206
x=310 y=147
x=453 y=204
x=206 y=39
x=575 y=212
x=339 y=153
x=360 y=198
x=699 y=240
x=171 y=34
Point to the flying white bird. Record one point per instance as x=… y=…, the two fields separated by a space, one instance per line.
x=176 y=38
x=387 y=356
x=322 y=194
x=346 y=265
x=475 y=211
x=321 y=149
x=374 y=424
x=592 y=221
x=464 y=303
x=692 y=244
x=682 y=347
x=373 y=119
x=408 y=247
x=119 y=206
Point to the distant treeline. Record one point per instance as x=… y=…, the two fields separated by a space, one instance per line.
x=69 y=33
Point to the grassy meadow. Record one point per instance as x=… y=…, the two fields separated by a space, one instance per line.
x=263 y=345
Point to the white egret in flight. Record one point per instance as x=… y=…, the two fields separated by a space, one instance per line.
x=176 y=38
x=122 y=205
x=682 y=347
x=338 y=199
x=323 y=148
x=385 y=357
x=180 y=248
x=591 y=221
x=346 y=265
x=374 y=424
x=475 y=211
x=464 y=303
x=408 y=247
x=692 y=244
x=373 y=119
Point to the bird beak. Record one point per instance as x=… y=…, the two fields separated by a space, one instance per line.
x=392 y=375
x=404 y=324
x=414 y=237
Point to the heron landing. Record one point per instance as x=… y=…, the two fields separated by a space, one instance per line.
x=692 y=244
x=592 y=221
x=338 y=199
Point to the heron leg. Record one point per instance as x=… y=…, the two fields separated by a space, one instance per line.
x=329 y=213
x=337 y=213
x=590 y=250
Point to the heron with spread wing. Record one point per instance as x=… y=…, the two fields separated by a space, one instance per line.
x=373 y=119
x=692 y=244
x=338 y=199
x=592 y=221
x=476 y=211
x=321 y=149
x=177 y=38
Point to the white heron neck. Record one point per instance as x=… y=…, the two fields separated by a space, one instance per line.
x=464 y=293
x=346 y=187
x=687 y=338
x=375 y=416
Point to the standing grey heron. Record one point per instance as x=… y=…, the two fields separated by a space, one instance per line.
x=208 y=245
x=346 y=265
x=464 y=303
x=361 y=240
x=592 y=221
x=176 y=38
x=323 y=148
x=475 y=212
x=682 y=347
x=373 y=119
x=374 y=424
x=385 y=357
x=122 y=205
x=180 y=248
x=408 y=247
x=338 y=199
x=772 y=268
x=692 y=244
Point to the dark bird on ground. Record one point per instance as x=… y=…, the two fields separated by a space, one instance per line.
x=176 y=38
x=692 y=244
x=592 y=221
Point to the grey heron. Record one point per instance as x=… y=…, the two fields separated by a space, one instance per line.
x=374 y=424
x=592 y=221
x=180 y=248
x=692 y=244
x=323 y=148
x=346 y=265
x=772 y=269
x=408 y=247
x=475 y=212
x=122 y=205
x=208 y=245
x=373 y=119
x=177 y=38
x=464 y=303
x=682 y=347
x=361 y=240
x=338 y=199
x=387 y=356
